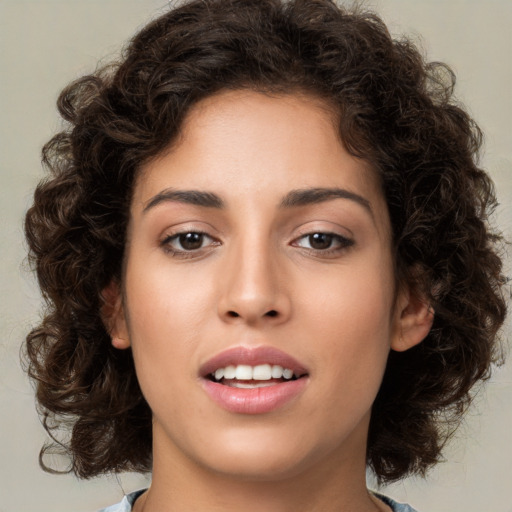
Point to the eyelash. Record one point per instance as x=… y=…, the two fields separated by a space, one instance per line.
x=342 y=243
x=166 y=244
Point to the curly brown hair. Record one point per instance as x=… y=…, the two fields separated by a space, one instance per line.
x=394 y=110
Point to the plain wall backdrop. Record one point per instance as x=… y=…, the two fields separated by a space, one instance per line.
x=44 y=44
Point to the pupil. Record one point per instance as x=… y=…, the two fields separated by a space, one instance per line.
x=191 y=241
x=320 y=240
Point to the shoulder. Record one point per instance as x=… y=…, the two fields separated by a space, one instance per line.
x=126 y=504
x=395 y=507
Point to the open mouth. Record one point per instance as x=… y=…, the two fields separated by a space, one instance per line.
x=245 y=376
x=246 y=380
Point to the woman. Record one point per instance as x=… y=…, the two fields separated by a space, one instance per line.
x=266 y=258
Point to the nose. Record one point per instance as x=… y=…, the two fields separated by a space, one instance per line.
x=254 y=287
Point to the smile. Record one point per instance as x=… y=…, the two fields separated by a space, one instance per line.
x=247 y=372
x=253 y=381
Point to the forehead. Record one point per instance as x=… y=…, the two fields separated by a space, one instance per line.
x=249 y=145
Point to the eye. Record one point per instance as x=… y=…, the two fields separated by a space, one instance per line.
x=187 y=242
x=323 y=242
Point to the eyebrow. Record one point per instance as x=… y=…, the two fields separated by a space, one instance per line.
x=294 y=198
x=307 y=196
x=195 y=197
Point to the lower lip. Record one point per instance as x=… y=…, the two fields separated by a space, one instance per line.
x=254 y=401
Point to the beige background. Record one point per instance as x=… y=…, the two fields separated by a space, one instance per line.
x=46 y=43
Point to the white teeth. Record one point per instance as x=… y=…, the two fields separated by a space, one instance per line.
x=258 y=372
x=262 y=372
x=247 y=385
x=243 y=372
x=277 y=371
x=287 y=374
x=229 y=372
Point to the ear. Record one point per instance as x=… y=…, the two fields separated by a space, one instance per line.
x=112 y=314
x=414 y=320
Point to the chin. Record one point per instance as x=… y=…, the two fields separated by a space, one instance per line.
x=258 y=469
x=261 y=456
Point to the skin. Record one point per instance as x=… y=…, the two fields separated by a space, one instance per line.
x=336 y=310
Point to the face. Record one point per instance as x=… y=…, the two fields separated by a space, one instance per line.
x=259 y=295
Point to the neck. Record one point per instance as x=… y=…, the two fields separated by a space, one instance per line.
x=181 y=485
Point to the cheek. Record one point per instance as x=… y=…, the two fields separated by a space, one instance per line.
x=163 y=297
x=356 y=299
x=352 y=321
x=166 y=317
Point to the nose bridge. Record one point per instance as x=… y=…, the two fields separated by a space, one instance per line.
x=252 y=289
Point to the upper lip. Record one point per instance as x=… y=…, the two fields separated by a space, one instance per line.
x=252 y=356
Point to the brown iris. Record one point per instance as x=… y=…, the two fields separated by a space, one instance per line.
x=191 y=241
x=320 y=240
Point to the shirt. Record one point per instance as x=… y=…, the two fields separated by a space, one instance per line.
x=126 y=504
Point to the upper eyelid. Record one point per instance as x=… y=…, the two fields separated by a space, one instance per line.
x=221 y=234
x=175 y=235
x=194 y=226
x=336 y=229
x=324 y=232
x=309 y=230
x=167 y=245
x=330 y=233
x=301 y=233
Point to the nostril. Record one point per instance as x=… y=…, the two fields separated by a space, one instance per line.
x=271 y=313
